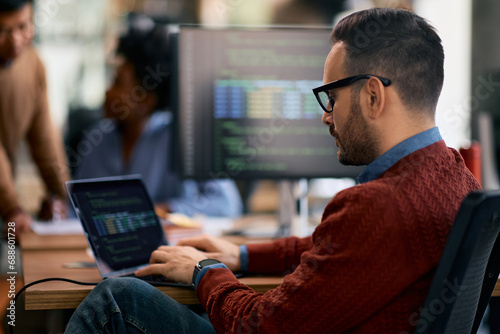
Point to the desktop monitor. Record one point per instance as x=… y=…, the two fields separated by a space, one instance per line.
x=246 y=107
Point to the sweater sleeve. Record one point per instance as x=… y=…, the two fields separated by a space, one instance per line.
x=332 y=289
x=278 y=257
x=46 y=144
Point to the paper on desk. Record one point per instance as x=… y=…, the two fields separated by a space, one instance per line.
x=63 y=226
x=216 y=226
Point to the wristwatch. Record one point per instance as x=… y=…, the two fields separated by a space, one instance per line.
x=199 y=266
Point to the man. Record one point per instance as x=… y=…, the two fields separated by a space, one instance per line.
x=24 y=113
x=369 y=264
x=138 y=136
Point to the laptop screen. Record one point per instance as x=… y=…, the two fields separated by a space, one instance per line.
x=119 y=220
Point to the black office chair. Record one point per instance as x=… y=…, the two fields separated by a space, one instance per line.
x=468 y=269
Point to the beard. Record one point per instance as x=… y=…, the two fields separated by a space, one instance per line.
x=357 y=143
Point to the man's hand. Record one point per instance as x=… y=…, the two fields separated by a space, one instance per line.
x=215 y=248
x=174 y=262
x=177 y=262
x=22 y=221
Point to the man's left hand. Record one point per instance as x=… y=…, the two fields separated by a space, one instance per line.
x=174 y=262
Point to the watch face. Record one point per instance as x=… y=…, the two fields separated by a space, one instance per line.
x=207 y=262
x=200 y=265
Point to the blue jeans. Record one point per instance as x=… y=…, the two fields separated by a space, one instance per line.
x=129 y=305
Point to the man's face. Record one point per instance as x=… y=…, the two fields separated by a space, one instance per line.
x=127 y=100
x=120 y=102
x=16 y=32
x=354 y=137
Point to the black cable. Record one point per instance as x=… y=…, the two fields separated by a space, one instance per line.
x=11 y=328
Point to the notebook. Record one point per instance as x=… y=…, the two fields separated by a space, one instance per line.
x=120 y=224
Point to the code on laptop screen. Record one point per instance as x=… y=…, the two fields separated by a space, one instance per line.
x=120 y=222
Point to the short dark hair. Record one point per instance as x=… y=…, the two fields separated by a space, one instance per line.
x=145 y=45
x=12 y=5
x=396 y=44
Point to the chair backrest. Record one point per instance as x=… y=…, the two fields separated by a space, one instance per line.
x=468 y=269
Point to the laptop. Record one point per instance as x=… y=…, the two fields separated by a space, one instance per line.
x=120 y=224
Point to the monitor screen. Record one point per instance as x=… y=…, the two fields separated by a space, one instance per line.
x=246 y=107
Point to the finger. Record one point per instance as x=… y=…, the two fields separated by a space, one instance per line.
x=158 y=256
x=152 y=269
x=201 y=242
x=190 y=241
x=171 y=249
x=164 y=248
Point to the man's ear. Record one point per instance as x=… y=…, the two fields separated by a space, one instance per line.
x=373 y=98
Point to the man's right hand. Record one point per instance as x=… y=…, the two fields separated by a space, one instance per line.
x=216 y=248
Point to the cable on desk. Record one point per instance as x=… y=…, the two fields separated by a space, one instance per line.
x=11 y=329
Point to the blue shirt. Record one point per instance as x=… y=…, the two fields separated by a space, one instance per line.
x=151 y=158
x=398 y=152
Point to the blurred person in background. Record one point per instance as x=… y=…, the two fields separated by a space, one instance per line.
x=136 y=135
x=24 y=115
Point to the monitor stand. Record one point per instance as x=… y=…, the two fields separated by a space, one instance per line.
x=293 y=211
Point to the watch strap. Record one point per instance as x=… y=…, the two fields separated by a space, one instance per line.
x=200 y=266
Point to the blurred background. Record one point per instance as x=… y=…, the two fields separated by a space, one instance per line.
x=76 y=40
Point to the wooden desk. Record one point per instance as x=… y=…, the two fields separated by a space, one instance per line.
x=496 y=290
x=62 y=295
x=45 y=256
x=34 y=242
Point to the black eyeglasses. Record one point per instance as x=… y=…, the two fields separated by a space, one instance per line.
x=327 y=102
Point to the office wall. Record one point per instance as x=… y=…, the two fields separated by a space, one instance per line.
x=453 y=21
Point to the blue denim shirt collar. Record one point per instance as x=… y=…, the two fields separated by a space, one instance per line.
x=398 y=152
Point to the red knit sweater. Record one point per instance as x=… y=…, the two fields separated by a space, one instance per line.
x=368 y=265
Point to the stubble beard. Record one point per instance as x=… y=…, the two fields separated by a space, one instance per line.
x=358 y=143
